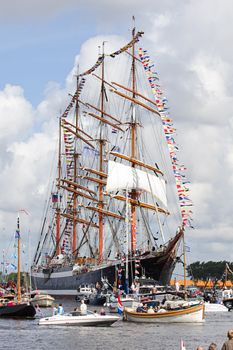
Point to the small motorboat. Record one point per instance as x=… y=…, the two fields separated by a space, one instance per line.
x=214 y=307
x=75 y=319
x=228 y=302
x=112 y=303
x=189 y=314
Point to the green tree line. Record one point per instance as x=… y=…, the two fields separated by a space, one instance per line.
x=214 y=270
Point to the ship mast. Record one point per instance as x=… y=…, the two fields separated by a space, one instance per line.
x=58 y=215
x=74 y=240
x=101 y=149
x=133 y=146
x=18 y=274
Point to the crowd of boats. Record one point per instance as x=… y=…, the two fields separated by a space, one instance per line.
x=146 y=302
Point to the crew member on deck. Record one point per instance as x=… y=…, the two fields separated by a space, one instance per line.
x=83 y=308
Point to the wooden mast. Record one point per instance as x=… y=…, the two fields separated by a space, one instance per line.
x=58 y=188
x=74 y=238
x=101 y=149
x=18 y=274
x=133 y=147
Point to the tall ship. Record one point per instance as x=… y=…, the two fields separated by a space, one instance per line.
x=119 y=206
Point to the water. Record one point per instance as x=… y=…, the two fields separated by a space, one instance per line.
x=27 y=334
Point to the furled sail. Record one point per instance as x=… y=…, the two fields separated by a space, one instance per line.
x=122 y=177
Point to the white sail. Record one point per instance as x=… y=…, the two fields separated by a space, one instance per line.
x=122 y=177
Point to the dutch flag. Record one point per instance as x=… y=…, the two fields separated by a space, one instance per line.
x=119 y=305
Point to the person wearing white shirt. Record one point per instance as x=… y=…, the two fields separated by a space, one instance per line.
x=83 y=308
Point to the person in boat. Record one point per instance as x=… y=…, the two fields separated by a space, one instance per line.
x=164 y=300
x=228 y=345
x=161 y=310
x=38 y=311
x=83 y=308
x=102 y=312
x=60 y=310
x=55 y=310
x=150 y=310
x=140 y=308
x=76 y=312
x=212 y=346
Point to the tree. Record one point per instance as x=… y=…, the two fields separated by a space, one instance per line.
x=214 y=270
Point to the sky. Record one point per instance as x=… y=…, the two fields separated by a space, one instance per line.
x=190 y=41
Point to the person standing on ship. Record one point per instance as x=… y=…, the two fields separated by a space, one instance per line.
x=83 y=308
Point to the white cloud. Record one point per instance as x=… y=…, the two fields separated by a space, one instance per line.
x=16 y=113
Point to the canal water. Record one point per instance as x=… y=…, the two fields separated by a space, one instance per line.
x=28 y=335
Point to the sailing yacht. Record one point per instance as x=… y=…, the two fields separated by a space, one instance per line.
x=120 y=204
x=19 y=308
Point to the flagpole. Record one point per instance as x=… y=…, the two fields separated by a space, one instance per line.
x=127 y=244
x=185 y=278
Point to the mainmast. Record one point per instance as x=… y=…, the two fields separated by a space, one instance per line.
x=133 y=124
x=101 y=168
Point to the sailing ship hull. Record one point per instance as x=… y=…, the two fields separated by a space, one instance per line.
x=64 y=281
x=17 y=311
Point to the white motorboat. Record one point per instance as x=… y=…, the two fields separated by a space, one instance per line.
x=113 y=303
x=74 y=319
x=212 y=307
